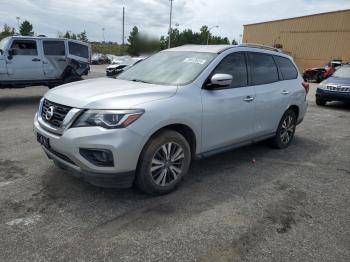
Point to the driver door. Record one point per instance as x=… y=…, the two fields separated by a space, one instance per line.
x=228 y=113
x=25 y=62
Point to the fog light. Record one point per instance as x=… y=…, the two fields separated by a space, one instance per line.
x=98 y=157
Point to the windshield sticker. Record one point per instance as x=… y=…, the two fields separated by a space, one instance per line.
x=194 y=60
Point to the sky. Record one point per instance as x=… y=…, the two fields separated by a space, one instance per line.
x=152 y=16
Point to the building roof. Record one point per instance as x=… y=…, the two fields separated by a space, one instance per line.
x=292 y=18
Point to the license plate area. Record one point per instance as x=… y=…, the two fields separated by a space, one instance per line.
x=44 y=141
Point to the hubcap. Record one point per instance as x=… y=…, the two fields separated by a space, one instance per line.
x=167 y=164
x=287 y=129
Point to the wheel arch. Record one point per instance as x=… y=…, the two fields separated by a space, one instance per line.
x=295 y=109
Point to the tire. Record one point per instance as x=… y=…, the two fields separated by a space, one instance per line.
x=166 y=174
x=285 y=131
x=72 y=78
x=320 y=101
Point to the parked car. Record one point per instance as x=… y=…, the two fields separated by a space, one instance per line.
x=318 y=74
x=99 y=59
x=180 y=104
x=314 y=74
x=26 y=61
x=115 y=69
x=335 y=88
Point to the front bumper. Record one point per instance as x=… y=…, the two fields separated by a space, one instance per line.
x=332 y=95
x=125 y=145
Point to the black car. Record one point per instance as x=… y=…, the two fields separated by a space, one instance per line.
x=335 y=88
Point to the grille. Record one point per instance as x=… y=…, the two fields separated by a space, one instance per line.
x=338 y=88
x=59 y=113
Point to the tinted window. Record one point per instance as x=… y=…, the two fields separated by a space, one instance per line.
x=54 y=48
x=78 y=50
x=234 y=64
x=262 y=69
x=24 y=47
x=286 y=68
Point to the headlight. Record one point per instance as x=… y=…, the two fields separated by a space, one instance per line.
x=108 y=118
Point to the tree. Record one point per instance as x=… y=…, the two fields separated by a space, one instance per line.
x=82 y=36
x=26 y=28
x=67 y=35
x=234 y=42
x=7 y=31
x=134 y=41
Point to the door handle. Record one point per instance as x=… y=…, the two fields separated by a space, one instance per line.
x=35 y=59
x=285 y=92
x=248 y=99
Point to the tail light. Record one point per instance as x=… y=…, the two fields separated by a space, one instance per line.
x=306 y=87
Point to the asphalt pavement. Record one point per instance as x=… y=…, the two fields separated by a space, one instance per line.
x=252 y=204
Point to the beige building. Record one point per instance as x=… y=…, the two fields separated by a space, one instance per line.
x=312 y=40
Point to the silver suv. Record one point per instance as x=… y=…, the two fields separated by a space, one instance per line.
x=184 y=103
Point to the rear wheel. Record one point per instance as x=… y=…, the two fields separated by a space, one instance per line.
x=320 y=101
x=164 y=161
x=285 y=131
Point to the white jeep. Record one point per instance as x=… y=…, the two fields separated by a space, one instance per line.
x=26 y=61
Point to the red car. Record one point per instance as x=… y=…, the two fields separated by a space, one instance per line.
x=320 y=73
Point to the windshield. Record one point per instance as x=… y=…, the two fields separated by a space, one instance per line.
x=343 y=72
x=3 y=43
x=169 y=68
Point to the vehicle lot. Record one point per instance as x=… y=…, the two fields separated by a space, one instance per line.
x=287 y=205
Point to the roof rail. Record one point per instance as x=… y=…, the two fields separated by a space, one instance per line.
x=266 y=47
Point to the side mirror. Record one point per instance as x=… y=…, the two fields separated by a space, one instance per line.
x=11 y=52
x=220 y=80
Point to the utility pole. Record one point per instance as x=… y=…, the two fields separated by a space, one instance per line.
x=18 y=19
x=208 y=34
x=171 y=12
x=123 y=25
x=103 y=34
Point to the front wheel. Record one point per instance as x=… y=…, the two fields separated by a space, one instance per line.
x=285 y=131
x=164 y=161
x=320 y=101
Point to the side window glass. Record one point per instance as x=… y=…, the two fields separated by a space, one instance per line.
x=78 y=49
x=24 y=47
x=263 y=69
x=235 y=65
x=54 y=48
x=286 y=68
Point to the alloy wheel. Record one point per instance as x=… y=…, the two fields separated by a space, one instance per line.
x=287 y=129
x=167 y=164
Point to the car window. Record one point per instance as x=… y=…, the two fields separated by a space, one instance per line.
x=24 y=47
x=78 y=50
x=263 y=69
x=286 y=68
x=54 y=48
x=235 y=65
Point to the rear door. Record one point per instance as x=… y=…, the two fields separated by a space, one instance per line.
x=228 y=113
x=54 y=61
x=79 y=51
x=271 y=95
x=26 y=62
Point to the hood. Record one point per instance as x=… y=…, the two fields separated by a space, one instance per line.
x=337 y=80
x=107 y=93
